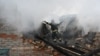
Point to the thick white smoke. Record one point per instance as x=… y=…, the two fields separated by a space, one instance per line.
x=26 y=15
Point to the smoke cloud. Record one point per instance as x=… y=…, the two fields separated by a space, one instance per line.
x=25 y=15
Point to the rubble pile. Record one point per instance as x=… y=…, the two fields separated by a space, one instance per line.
x=86 y=47
x=69 y=42
x=41 y=46
x=59 y=43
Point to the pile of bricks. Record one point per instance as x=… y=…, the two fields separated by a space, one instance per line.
x=18 y=48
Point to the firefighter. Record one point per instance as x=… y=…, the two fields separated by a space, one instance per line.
x=54 y=29
x=44 y=28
